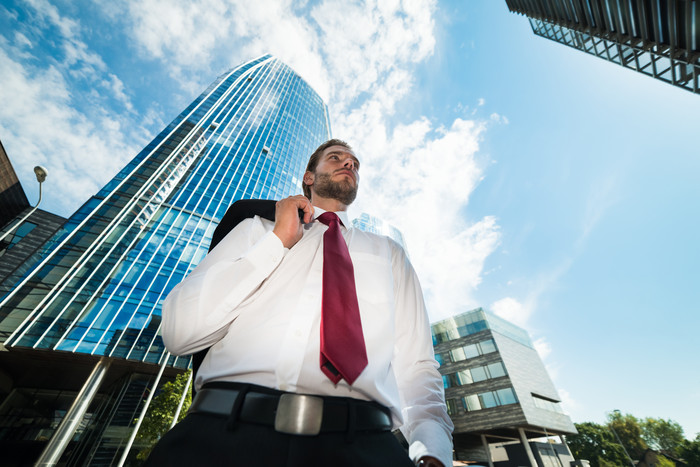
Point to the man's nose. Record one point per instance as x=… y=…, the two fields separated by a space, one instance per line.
x=349 y=163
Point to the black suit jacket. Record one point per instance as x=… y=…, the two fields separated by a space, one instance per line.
x=237 y=212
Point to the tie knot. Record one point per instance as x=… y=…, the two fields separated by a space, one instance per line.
x=329 y=217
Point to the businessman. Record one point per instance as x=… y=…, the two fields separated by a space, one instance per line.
x=319 y=341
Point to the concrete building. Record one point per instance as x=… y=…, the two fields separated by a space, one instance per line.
x=498 y=392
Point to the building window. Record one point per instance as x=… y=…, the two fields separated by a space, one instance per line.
x=547 y=404
x=506 y=396
x=457 y=355
x=489 y=399
x=496 y=370
x=451 y=406
x=18 y=235
x=474 y=375
x=472 y=350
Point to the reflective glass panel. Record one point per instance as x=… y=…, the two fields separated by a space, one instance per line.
x=471 y=402
x=478 y=374
x=488 y=400
x=506 y=396
x=457 y=354
x=487 y=346
x=496 y=369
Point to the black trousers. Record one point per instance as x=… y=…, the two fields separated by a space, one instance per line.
x=205 y=439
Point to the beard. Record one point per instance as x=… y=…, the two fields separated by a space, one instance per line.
x=343 y=191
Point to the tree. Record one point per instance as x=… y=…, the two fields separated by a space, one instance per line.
x=596 y=444
x=160 y=413
x=629 y=431
x=690 y=451
x=662 y=435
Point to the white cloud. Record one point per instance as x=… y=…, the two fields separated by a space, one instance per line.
x=22 y=40
x=80 y=153
x=568 y=403
x=512 y=310
x=419 y=179
x=603 y=195
x=360 y=57
x=543 y=348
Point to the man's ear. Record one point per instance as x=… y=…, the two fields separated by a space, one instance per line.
x=309 y=178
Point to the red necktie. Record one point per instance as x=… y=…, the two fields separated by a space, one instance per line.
x=343 y=353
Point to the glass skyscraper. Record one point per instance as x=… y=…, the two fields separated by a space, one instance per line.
x=659 y=38
x=96 y=287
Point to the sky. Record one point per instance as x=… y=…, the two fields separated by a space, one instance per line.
x=553 y=188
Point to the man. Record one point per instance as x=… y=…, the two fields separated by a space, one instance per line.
x=305 y=367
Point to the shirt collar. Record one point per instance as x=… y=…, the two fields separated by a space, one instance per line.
x=343 y=215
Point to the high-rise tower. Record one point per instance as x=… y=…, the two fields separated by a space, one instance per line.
x=93 y=297
x=660 y=38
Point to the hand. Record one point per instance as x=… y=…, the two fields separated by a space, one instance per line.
x=429 y=461
x=288 y=226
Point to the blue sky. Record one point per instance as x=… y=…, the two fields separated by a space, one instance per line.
x=551 y=187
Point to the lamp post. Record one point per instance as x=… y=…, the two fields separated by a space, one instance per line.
x=41 y=174
x=619 y=441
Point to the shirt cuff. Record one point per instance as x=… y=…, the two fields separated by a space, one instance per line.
x=430 y=439
x=267 y=252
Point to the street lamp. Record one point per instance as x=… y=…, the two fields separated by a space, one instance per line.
x=41 y=174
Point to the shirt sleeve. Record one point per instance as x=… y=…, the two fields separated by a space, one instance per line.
x=198 y=311
x=427 y=427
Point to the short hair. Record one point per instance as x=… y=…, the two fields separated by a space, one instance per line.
x=313 y=160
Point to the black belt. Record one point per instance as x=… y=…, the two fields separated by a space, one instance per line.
x=299 y=414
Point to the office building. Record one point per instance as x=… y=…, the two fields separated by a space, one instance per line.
x=13 y=200
x=23 y=229
x=86 y=316
x=498 y=392
x=659 y=38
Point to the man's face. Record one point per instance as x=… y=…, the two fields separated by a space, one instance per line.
x=336 y=175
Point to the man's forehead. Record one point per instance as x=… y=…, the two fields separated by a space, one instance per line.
x=338 y=149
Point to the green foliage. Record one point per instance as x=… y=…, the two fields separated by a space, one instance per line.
x=661 y=461
x=160 y=413
x=629 y=431
x=597 y=444
x=662 y=435
x=690 y=451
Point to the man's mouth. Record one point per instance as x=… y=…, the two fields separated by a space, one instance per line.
x=347 y=172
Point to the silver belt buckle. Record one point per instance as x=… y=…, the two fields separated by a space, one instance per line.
x=299 y=414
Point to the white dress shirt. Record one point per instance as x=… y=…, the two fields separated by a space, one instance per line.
x=258 y=305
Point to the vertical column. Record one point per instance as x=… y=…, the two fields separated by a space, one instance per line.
x=487 y=449
x=59 y=441
x=142 y=415
x=526 y=445
x=562 y=438
x=182 y=400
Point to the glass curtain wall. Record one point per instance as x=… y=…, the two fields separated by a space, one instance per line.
x=98 y=285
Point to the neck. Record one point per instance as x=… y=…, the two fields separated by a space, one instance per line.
x=328 y=204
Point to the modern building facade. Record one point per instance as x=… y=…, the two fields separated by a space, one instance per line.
x=659 y=38
x=23 y=228
x=85 y=317
x=497 y=390
x=13 y=200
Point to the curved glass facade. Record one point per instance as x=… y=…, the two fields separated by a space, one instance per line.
x=101 y=280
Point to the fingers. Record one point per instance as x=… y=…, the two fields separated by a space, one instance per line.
x=289 y=214
x=294 y=204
